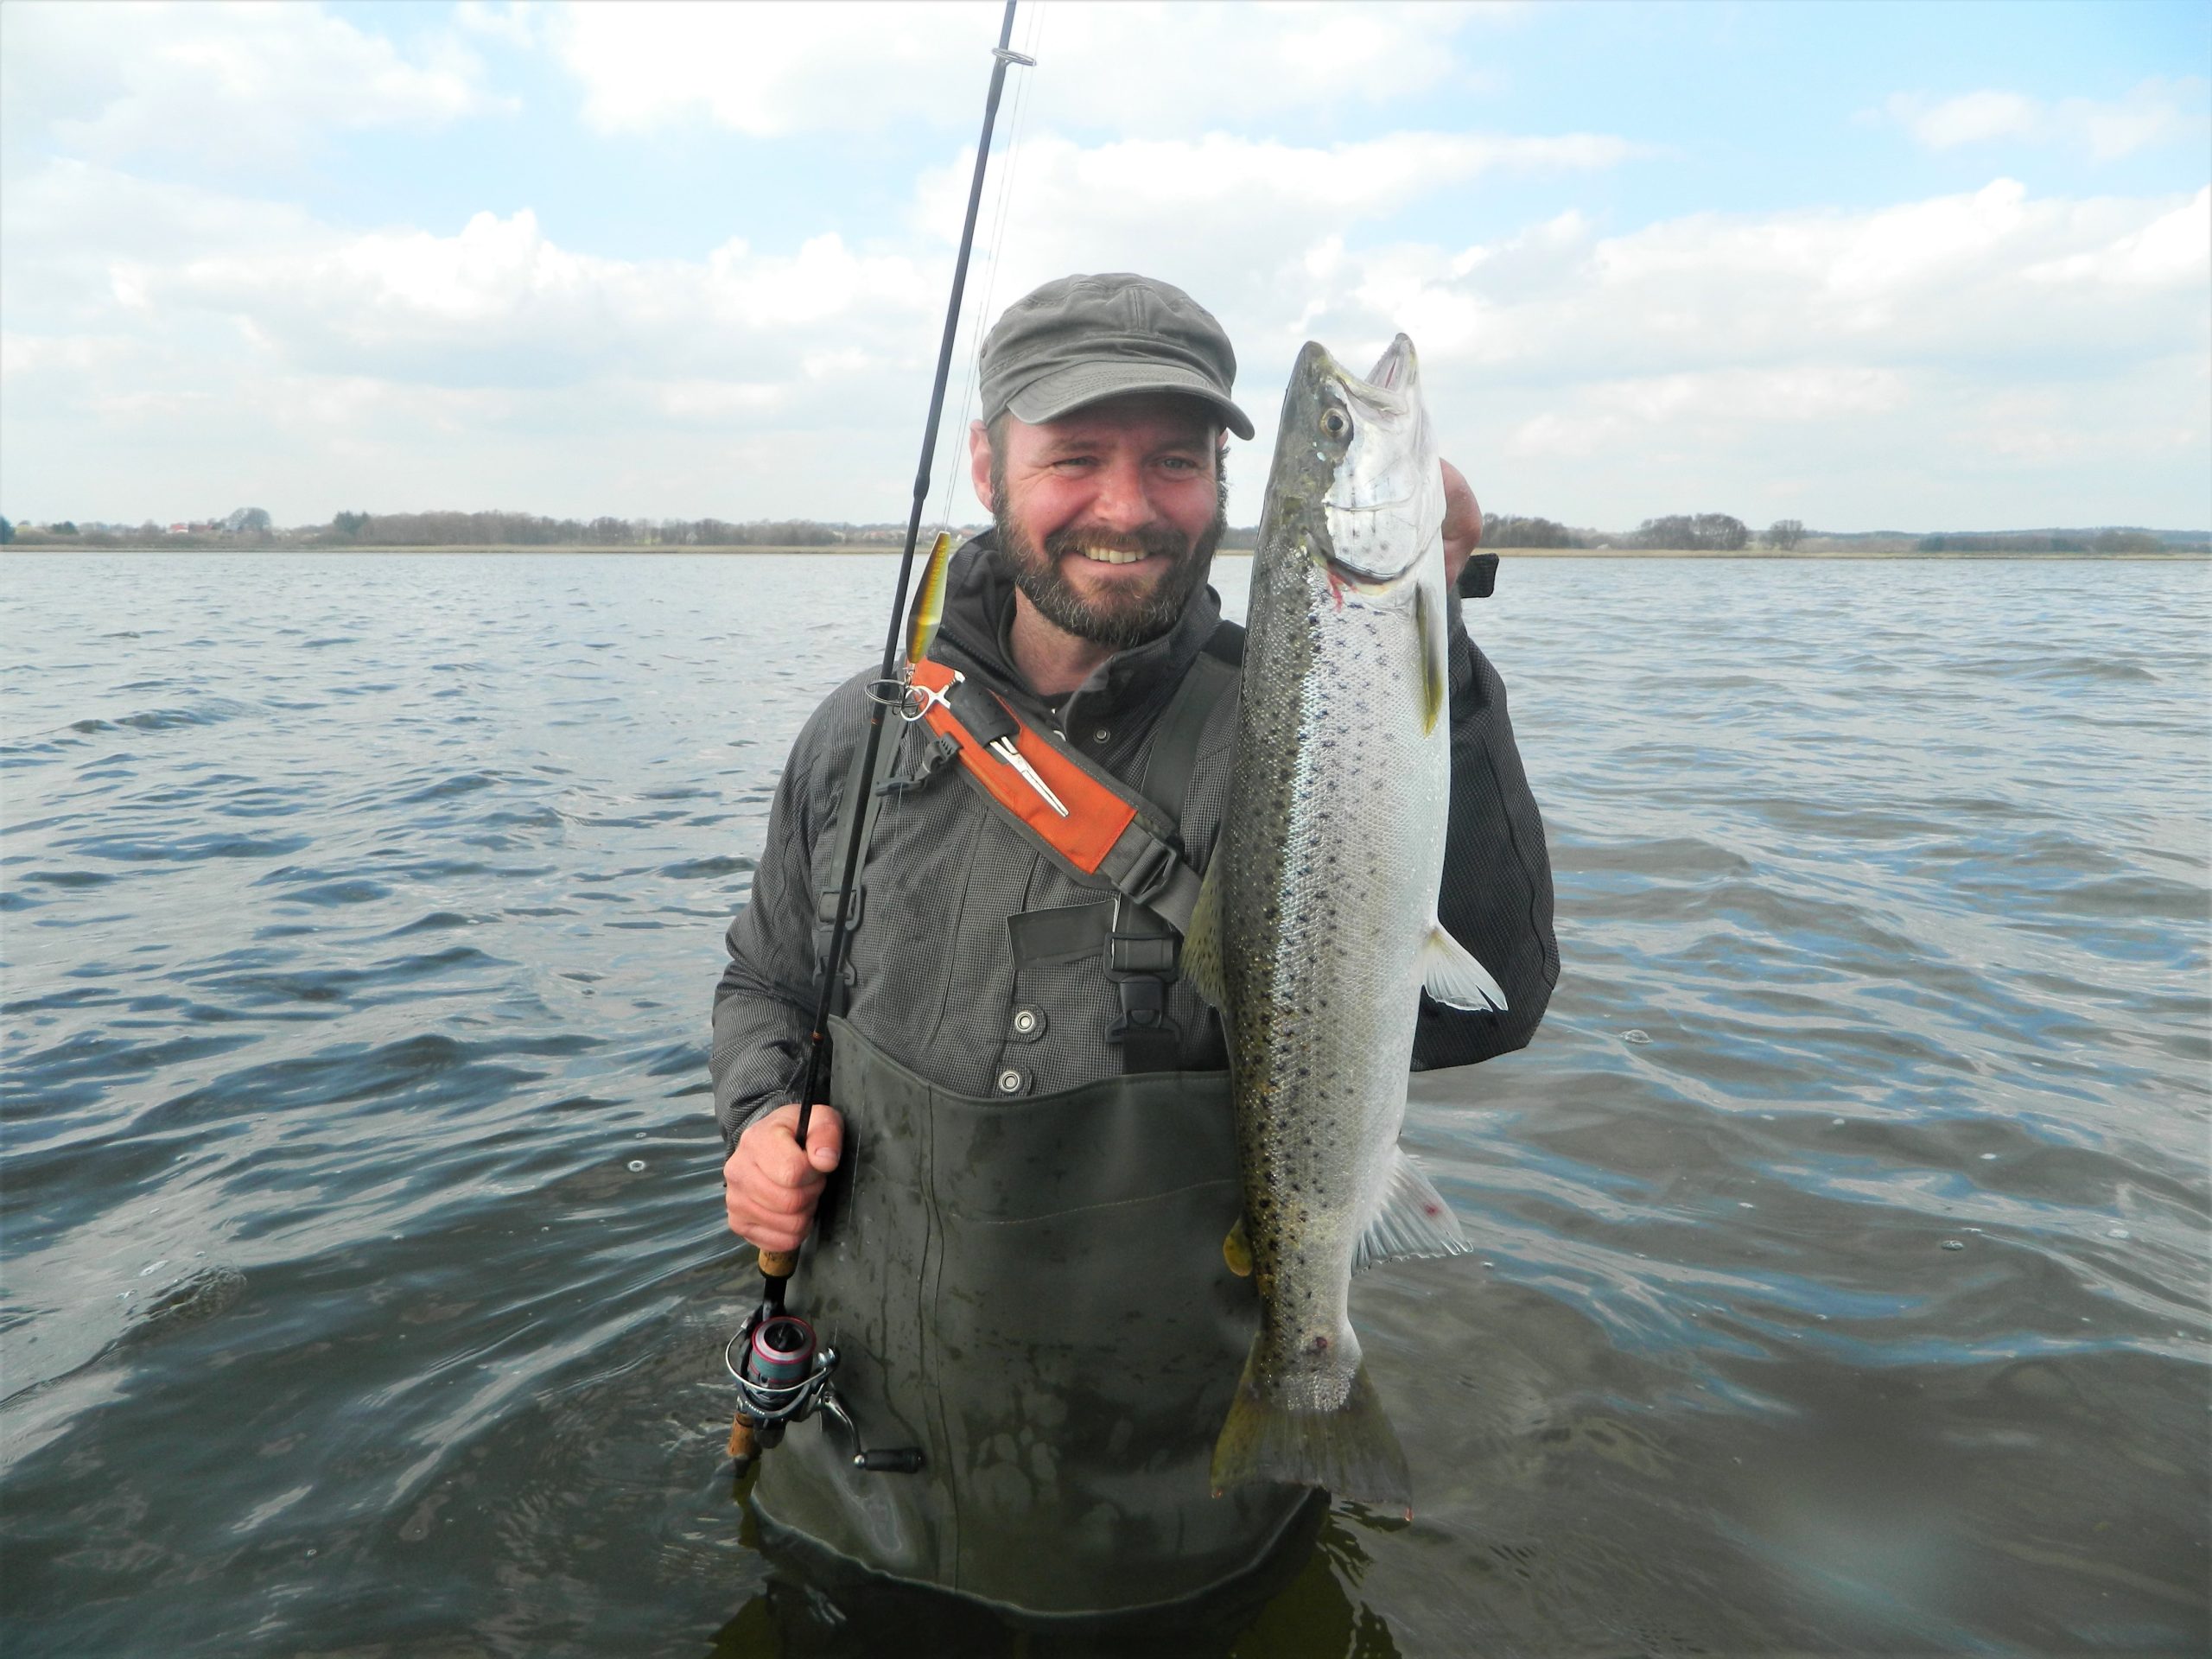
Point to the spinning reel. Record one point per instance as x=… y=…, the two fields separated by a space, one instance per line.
x=783 y=1378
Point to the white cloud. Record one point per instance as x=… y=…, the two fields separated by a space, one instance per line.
x=230 y=82
x=2156 y=112
x=770 y=69
x=1987 y=358
x=2172 y=250
x=1255 y=228
x=1972 y=118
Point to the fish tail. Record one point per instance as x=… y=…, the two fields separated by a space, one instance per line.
x=1353 y=1451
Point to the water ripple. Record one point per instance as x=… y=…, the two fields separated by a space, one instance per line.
x=1841 y=1242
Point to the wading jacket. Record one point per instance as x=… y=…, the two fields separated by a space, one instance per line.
x=931 y=977
x=1019 y=1262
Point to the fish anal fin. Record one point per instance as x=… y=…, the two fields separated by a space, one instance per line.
x=1353 y=1452
x=1414 y=1221
x=1455 y=978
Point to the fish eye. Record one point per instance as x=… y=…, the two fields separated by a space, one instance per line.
x=1337 y=423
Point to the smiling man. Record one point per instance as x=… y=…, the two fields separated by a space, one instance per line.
x=1122 y=505
x=1022 y=1270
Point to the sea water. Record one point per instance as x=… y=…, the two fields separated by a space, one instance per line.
x=1842 y=1237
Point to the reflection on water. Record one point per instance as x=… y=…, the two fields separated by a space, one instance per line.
x=1843 y=1270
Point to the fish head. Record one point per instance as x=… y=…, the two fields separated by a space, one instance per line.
x=1355 y=460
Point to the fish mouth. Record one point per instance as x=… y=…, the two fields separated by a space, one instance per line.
x=1397 y=368
x=1350 y=578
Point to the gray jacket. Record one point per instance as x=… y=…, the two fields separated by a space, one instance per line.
x=932 y=979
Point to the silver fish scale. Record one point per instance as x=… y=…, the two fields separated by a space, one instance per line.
x=1331 y=853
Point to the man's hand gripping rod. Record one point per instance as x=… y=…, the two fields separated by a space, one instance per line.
x=781 y=1378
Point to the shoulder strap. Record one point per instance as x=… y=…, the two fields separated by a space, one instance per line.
x=1089 y=821
x=1175 y=753
x=1143 y=949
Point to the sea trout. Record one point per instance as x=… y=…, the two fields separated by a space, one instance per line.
x=1316 y=930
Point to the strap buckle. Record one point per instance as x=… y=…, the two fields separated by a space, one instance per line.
x=1150 y=873
x=1141 y=957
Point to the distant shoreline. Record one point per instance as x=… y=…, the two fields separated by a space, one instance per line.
x=2165 y=555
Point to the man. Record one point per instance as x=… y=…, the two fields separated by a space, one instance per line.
x=1022 y=1268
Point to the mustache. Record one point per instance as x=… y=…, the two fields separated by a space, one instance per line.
x=1153 y=540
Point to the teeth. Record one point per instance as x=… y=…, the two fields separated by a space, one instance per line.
x=1111 y=556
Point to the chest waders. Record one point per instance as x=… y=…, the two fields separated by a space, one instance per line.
x=1031 y=1290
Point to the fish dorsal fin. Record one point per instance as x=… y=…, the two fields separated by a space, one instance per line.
x=929 y=600
x=1456 y=979
x=1413 y=1220
x=1429 y=622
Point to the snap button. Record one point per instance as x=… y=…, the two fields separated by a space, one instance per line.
x=1028 y=1023
x=1101 y=736
x=1010 y=1082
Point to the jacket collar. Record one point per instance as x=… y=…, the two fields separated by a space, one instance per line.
x=974 y=638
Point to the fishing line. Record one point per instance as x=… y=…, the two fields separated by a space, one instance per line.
x=985 y=313
x=978 y=320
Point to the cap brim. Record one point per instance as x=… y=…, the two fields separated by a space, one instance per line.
x=1066 y=390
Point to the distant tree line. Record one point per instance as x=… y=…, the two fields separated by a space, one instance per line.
x=528 y=530
x=1692 y=532
x=1512 y=530
x=1684 y=532
x=2028 y=541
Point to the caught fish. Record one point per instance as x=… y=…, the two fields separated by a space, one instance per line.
x=1316 y=929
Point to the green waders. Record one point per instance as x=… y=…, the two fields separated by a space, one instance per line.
x=1031 y=1290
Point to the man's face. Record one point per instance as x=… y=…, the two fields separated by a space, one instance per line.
x=1107 y=518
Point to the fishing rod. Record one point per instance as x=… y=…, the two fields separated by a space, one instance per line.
x=782 y=1376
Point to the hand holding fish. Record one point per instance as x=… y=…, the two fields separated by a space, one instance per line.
x=1463 y=523
x=771 y=1183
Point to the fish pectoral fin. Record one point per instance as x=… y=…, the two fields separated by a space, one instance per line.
x=1414 y=1221
x=1453 y=977
x=1201 y=961
x=1429 y=620
x=1236 y=1250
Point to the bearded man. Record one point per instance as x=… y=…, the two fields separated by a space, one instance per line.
x=1022 y=1267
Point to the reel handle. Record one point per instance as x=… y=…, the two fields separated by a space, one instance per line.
x=906 y=1461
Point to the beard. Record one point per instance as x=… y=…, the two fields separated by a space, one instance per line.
x=1117 y=621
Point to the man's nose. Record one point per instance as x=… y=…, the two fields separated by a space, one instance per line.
x=1120 y=503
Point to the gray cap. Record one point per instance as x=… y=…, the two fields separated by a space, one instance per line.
x=1079 y=339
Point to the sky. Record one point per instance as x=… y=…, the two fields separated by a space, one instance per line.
x=1869 y=266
